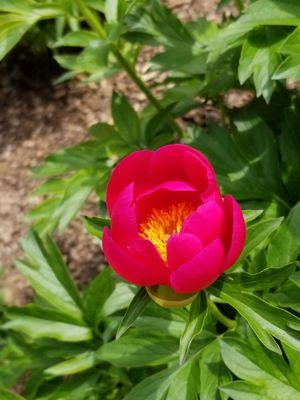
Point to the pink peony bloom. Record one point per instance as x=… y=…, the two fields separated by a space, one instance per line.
x=170 y=225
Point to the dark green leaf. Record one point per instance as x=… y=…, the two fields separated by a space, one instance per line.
x=97 y=294
x=126 y=119
x=139 y=350
x=95 y=225
x=264 y=319
x=135 y=309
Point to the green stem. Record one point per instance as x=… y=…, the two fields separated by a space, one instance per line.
x=240 y=5
x=229 y=323
x=95 y=24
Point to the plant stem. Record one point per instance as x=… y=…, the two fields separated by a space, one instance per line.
x=240 y=5
x=229 y=323
x=95 y=24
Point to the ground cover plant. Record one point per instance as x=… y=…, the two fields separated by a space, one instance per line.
x=239 y=338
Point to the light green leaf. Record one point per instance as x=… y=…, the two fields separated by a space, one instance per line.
x=257 y=234
x=285 y=245
x=37 y=328
x=289 y=69
x=213 y=372
x=48 y=275
x=260 y=58
x=77 y=39
x=135 y=309
x=74 y=365
x=194 y=326
x=251 y=215
x=264 y=373
x=6 y=395
x=119 y=299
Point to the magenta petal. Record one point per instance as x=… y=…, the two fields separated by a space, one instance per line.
x=146 y=253
x=128 y=267
x=201 y=271
x=236 y=231
x=172 y=186
x=123 y=217
x=132 y=168
x=182 y=248
x=207 y=222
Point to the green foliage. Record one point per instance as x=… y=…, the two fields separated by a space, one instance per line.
x=109 y=341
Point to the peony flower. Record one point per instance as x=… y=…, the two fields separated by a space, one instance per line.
x=171 y=230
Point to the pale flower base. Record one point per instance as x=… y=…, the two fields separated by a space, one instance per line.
x=167 y=298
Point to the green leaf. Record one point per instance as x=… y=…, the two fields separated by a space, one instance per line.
x=135 y=309
x=260 y=58
x=119 y=299
x=82 y=387
x=77 y=39
x=289 y=142
x=264 y=319
x=97 y=294
x=289 y=69
x=184 y=384
x=240 y=390
x=152 y=388
x=265 y=374
x=95 y=225
x=262 y=12
x=246 y=162
x=126 y=119
x=70 y=194
x=6 y=395
x=213 y=372
x=194 y=326
x=257 y=234
x=49 y=276
x=265 y=279
x=285 y=245
x=12 y=29
x=37 y=328
x=162 y=321
x=168 y=384
x=251 y=215
x=138 y=350
x=75 y=365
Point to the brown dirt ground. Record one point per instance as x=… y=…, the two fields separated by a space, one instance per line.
x=36 y=119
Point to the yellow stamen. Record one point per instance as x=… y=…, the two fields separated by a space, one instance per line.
x=161 y=223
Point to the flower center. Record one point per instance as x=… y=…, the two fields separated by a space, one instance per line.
x=161 y=223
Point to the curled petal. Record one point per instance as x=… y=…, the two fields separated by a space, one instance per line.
x=201 y=271
x=207 y=223
x=132 y=168
x=123 y=217
x=129 y=268
x=235 y=236
x=182 y=248
x=201 y=175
